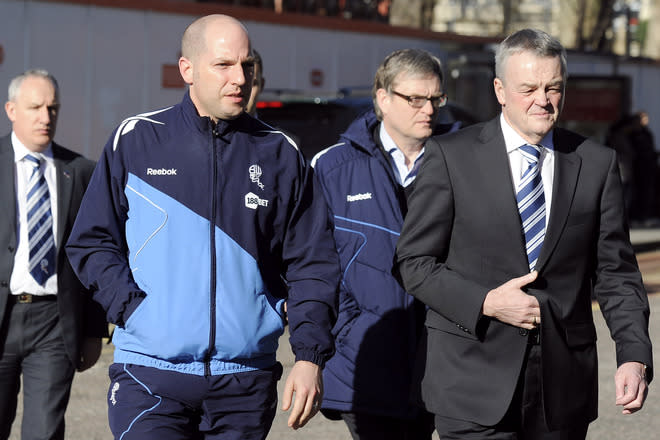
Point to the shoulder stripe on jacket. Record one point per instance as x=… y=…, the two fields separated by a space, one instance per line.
x=318 y=155
x=128 y=124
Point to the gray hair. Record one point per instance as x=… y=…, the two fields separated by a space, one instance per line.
x=412 y=62
x=532 y=40
x=15 y=84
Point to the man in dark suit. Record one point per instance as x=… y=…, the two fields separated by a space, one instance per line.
x=49 y=326
x=510 y=339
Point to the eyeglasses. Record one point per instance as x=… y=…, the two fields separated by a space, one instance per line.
x=420 y=101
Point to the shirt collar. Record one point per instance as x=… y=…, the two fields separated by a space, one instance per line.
x=390 y=146
x=388 y=143
x=20 y=150
x=513 y=140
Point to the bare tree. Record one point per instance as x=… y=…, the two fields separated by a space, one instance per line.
x=599 y=40
x=427 y=13
x=507 y=15
x=581 y=16
x=594 y=20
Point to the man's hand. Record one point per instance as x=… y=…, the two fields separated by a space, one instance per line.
x=90 y=351
x=509 y=304
x=306 y=381
x=631 y=386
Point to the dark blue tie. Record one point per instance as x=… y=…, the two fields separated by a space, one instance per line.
x=531 y=203
x=40 y=225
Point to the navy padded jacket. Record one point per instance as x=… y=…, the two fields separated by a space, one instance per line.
x=379 y=324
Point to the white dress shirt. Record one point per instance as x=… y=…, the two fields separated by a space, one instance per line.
x=518 y=165
x=21 y=279
x=398 y=160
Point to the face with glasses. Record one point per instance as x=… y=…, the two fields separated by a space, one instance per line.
x=410 y=108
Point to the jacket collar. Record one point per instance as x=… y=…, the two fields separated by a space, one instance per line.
x=361 y=133
x=204 y=124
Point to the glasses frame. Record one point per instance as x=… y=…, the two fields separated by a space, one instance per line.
x=414 y=101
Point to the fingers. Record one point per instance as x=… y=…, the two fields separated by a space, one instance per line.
x=304 y=408
x=524 y=280
x=631 y=387
x=287 y=395
x=536 y=320
x=533 y=320
x=510 y=304
x=306 y=381
x=633 y=398
x=298 y=412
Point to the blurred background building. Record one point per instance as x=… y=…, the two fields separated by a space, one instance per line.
x=116 y=58
x=623 y=27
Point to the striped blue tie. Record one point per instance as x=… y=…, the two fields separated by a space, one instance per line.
x=40 y=225
x=531 y=203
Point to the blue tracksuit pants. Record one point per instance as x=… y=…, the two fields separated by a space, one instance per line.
x=146 y=403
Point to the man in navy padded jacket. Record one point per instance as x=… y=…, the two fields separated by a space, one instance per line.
x=199 y=223
x=365 y=178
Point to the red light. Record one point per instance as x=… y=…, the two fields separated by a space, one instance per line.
x=269 y=104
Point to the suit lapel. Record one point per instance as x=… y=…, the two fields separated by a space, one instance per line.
x=65 y=181
x=567 y=170
x=7 y=178
x=495 y=171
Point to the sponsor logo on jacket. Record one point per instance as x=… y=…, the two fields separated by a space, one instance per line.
x=358 y=197
x=253 y=201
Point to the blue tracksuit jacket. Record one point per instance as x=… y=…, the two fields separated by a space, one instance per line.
x=379 y=324
x=193 y=234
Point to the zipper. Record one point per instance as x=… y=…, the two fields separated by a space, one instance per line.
x=213 y=271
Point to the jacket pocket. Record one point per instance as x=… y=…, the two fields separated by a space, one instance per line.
x=580 y=334
x=438 y=322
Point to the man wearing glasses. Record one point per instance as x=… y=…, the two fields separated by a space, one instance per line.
x=365 y=178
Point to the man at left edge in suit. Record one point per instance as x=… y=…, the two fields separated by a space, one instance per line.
x=49 y=325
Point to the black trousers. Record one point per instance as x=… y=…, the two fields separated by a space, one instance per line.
x=524 y=420
x=365 y=426
x=33 y=346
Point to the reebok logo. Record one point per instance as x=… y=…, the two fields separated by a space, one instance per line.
x=161 y=171
x=358 y=197
x=253 y=201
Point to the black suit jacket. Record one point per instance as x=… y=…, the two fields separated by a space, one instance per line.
x=463 y=237
x=79 y=315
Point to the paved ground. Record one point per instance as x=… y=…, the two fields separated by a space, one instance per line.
x=86 y=417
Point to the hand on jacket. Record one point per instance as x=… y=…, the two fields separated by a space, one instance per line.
x=509 y=304
x=631 y=386
x=90 y=351
x=306 y=381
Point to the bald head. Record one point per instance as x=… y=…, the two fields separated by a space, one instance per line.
x=217 y=64
x=194 y=40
